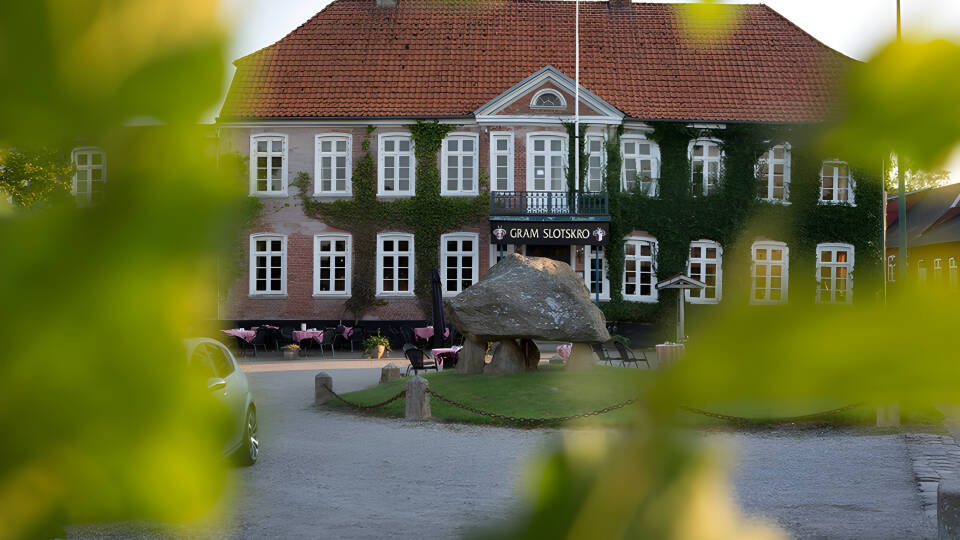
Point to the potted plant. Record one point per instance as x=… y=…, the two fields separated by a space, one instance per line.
x=376 y=345
x=290 y=352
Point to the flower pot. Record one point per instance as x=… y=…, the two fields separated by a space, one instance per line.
x=380 y=349
x=290 y=354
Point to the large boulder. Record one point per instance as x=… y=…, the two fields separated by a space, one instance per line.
x=528 y=297
x=525 y=298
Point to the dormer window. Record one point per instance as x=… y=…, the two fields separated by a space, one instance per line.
x=548 y=99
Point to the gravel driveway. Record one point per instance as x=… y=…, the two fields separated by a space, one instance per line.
x=333 y=475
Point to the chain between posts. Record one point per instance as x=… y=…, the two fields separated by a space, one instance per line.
x=523 y=420
x=399 y=395
x=556 y=419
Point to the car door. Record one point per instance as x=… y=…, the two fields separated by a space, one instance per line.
x=215 y=362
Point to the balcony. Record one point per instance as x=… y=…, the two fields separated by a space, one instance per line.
x=549 y=205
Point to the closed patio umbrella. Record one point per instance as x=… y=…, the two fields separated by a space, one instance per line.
x=439 y=324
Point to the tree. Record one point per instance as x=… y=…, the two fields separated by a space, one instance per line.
x=915 y=179
x=30 y=177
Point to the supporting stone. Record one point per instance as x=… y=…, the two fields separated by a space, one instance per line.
x=531 y=354
x=322 y=384
x=948 y=508
x=389 y=372
x=888 y=416
x=508 y=358
x=472 y=356
x=417 y=399
x=581 y=358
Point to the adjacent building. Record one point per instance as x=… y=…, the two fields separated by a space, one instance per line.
x=698 y=156
x=933 y=237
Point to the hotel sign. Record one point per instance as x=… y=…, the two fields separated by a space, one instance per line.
x=534 y=233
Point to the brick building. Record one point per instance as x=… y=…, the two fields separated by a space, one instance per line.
x=350 y=81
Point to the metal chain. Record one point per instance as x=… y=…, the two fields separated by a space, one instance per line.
x=786 y=420
x=523 y=420
x=365 y=407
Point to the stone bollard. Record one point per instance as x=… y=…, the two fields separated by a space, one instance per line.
x=948 y=508
x=321 y=383
x=389 y=372
x=417 y=398
x=581 y=358
x=888 y=416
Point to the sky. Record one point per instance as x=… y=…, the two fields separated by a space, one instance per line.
x=857 y=28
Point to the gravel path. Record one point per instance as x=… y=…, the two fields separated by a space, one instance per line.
x=332 y=475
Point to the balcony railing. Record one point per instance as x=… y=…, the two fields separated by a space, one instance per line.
x=548 y=203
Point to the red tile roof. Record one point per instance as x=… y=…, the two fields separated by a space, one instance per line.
x=446 y=58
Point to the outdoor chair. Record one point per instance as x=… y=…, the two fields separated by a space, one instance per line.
x=261 y=339
x=243 y=345
x=306 y=345
x=327 y=341
x=417 y=362
x=338 y=339
x=358 y=335
x=627 y=356
x=603 y=354
x=286 y=335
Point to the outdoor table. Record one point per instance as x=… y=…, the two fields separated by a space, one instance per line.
x=347 y=332
x=300 y=335
x=246 y=335
x=667 y=353
x=441 y=355
x=564 y=351
x=426 y=332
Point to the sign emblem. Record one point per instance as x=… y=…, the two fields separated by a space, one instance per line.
x=599 y=233
x=499 y=232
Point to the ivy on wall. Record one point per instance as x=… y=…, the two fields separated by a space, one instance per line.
x=734 y=217
x=427 y=215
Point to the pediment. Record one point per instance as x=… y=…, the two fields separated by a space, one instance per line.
x=518 y=102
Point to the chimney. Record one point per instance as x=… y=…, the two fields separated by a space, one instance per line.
x=385 y=3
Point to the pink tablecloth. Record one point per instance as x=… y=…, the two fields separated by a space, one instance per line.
x=300 y=335
x=564 y=351
x=427 y=332
x=443 y=354
x=347 y=332
x=246 y=335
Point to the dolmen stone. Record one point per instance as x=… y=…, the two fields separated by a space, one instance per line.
x=519 y=300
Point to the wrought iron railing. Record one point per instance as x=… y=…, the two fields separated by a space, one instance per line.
x=548 y=203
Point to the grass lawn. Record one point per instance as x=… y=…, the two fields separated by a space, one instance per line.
x=553 y=392
x=549 y=392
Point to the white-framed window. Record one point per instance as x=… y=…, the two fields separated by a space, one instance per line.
x=332 y=264
x=90 y=174
x=952 y=272
x=773 y=174
x=268 y=164
x=501 y=161
x=268 y=264
x=596 y=268
x=706 y=163
x=459 y=266
x=395 y=264
x=548 y=99
x=546 y=161
x=495 y=252
x=596 y=158
x=892 y=268
x=769 y=272
x=334 y=164
x=641 y=163
x=705 y=264
x=396 y=165
x=937 y=269
x=639 y=269
x=459 y=164
x=834 y=273
x=836 y=183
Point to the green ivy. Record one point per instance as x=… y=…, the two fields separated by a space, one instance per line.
x=734 y=217
x=427 y=215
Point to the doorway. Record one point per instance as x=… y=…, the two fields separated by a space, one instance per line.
x=557 y=253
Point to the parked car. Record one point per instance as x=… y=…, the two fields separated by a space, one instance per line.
x=210 y=360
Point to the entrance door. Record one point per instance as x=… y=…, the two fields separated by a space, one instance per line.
x=557 y=253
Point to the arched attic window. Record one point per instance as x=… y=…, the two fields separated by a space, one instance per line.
x=548 y=99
